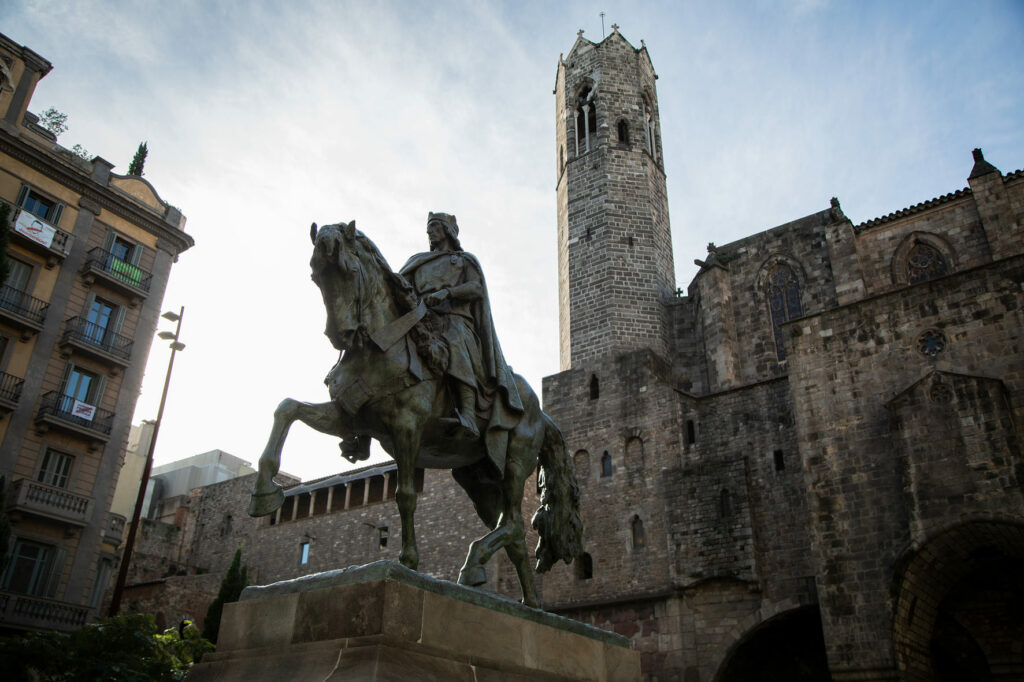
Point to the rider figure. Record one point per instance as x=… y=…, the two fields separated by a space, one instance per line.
x=450 y=282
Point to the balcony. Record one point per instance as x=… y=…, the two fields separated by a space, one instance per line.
x=101 y=265
x=41 y=237
x=38 y=499
x=36 y=613
x=113 y=529
x=96 y=341
x=25 y=312
x=10 y=391
x=62 y=411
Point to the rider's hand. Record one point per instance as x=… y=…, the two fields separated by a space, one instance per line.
x=436 y=298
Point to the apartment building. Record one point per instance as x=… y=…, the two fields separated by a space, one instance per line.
x=90 y=252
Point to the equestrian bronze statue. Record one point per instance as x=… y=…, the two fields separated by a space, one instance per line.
x=421 y=371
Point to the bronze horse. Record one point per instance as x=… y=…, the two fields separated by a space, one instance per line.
x=382 y=388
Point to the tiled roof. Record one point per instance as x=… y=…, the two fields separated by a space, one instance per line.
x=931 y=203
x=916 y=208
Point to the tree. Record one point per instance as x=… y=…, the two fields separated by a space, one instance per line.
x=54 y=121
x=139 y=160
x=231 y=587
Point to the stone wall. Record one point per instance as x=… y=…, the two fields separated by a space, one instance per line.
x=847 y=365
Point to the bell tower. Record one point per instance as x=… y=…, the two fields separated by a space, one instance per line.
x=615 y=268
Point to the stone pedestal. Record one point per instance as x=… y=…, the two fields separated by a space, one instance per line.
x=385 y=622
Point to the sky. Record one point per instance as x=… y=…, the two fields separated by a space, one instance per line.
x=262 y=117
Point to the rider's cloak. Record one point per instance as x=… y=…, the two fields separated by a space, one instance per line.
x=507 y=409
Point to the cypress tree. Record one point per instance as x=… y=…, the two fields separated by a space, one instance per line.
x=139 y=160
x=231 y=587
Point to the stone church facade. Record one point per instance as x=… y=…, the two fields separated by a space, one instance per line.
x=808 y=465
x=805 y=467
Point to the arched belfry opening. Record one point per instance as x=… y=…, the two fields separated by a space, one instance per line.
x=650 y=127
x=586 y=121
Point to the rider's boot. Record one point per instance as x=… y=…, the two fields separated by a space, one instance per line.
x=467 y=412
x=355 y=448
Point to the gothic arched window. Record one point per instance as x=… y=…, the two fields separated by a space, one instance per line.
x=606 y=465
x=586 y=122
x=925 y=262
x=783 y=294
x=649 y=125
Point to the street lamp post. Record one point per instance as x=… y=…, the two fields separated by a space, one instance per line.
x=129 y=545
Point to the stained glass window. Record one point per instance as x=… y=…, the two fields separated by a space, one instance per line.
x=924 y=262
x=783 y=293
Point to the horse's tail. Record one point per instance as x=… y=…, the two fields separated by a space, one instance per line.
x=557 y=521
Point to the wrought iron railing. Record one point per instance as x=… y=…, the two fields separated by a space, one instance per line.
x=37 y=612
x=105 y=261
x=60 y=243
x=22 y=304
x=82 y=330
x=10 y=387
x=63 y=407
x=50 y=501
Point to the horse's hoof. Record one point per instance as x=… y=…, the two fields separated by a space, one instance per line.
x=261 y=504
x=473 y=576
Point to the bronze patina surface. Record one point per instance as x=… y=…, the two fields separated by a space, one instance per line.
x=421 y=371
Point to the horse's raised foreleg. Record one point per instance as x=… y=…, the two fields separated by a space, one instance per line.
x=268 y=496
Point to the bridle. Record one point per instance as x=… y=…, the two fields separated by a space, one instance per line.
x=389 y=333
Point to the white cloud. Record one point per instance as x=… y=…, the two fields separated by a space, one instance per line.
x=263 y=117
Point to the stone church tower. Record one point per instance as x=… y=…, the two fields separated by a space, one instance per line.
x=615 y=269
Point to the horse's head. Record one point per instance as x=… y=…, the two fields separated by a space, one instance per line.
x=337 y=270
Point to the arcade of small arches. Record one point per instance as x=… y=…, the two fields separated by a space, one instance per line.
x=584 y=114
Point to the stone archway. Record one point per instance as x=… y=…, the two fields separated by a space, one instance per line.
x=960 y=606
x=787 y=648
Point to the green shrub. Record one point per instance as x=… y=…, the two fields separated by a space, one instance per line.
x=126 y=648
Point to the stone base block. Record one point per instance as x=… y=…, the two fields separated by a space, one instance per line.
x=385 y=622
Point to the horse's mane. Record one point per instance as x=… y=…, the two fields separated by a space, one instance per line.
x=400 y=289
x=426 y=334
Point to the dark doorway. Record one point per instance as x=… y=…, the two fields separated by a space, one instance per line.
x=787 y=648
